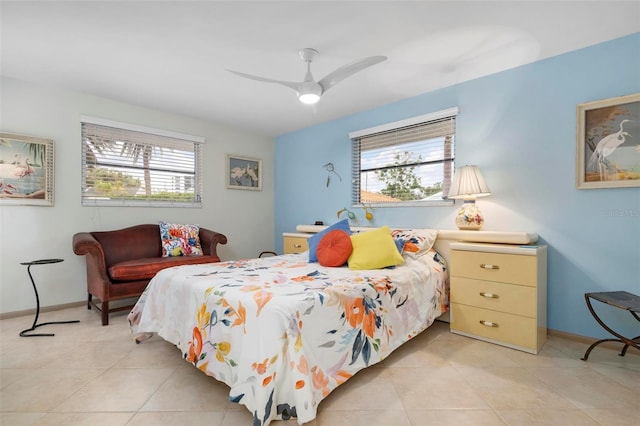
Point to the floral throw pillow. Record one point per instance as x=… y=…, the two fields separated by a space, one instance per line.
x=180 y=240
x=416 y=241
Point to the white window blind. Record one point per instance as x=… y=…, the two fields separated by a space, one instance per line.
x=129 y=165
x=408 y=164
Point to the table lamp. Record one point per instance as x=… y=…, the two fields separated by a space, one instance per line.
x=469 y=184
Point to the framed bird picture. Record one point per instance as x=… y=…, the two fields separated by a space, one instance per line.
x=244 y=173
x=608 y=143
x=26 y=170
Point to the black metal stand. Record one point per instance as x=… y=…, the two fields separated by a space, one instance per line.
x=621 y=300
x=35 y=325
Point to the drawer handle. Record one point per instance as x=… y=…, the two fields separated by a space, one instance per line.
x=489 y=324
x=297 y=246
x=487 y=266
x=489 y=295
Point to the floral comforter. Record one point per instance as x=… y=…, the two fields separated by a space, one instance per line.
x=282 y=332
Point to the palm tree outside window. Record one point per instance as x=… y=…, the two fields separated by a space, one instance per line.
x=130 y=165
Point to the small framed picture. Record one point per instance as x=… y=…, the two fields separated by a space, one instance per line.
x=244 y=173
x=26 y=170
x=608 y=138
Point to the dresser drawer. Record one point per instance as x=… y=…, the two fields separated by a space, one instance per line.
x=295 y=244
x=510 y=298
x=498 y=326
x=486 y=266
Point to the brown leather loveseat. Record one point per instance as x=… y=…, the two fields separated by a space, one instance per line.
x=121 y=263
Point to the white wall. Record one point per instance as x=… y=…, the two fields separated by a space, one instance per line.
x=33 y=232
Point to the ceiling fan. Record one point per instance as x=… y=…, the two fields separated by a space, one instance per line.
x=309 y=91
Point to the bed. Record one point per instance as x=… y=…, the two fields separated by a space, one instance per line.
x=282 y=332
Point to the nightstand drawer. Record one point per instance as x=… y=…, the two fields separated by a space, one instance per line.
x=506 y=268
x=295 y=244
x=510 y=298
x=497 y=326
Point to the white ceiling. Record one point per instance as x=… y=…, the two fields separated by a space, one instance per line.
x=172 y=55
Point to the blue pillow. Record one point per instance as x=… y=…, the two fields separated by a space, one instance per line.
x=314 y=240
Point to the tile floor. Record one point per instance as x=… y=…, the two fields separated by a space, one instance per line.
x=93 y=375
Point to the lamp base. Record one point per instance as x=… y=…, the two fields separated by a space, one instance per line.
x=469 y=217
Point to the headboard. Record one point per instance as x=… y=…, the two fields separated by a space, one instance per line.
x=446 y=237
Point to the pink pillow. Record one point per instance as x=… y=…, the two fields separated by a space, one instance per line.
x=334 y=248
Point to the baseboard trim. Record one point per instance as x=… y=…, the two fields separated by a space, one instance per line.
x=51 y=308
x=114 y=303
x=589 y=340
x=571 y=336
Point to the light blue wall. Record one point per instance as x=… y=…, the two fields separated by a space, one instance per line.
x=519 y=126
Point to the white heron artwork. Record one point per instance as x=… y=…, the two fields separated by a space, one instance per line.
x=244 y=173
x=605 y=148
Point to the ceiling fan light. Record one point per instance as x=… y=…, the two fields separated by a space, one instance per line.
x=309 y=92
x=308 y=98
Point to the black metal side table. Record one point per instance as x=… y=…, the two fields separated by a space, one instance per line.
x=621 y=300
x=35 y=325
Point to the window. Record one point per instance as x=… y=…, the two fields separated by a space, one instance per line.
x=129 y=165
x=409 y=162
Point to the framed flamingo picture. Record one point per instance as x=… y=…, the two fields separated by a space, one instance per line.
x=244 y=173
x=608 y=143
x=26 y=170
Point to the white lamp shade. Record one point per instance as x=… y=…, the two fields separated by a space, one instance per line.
x=468 y=183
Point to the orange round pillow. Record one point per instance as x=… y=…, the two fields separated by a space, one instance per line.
x=334 y=248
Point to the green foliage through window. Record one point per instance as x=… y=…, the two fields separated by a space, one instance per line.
x=406 y=164
x=130 y=165
x=402 y=181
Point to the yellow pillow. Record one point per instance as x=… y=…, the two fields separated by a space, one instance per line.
x=374 y=249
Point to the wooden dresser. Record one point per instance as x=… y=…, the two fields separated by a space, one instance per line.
x=499 y=294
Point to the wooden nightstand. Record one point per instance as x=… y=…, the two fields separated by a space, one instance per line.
x=499 y=294
x=295 y=242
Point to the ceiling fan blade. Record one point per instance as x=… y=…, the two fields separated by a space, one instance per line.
x=348 y=70
x=292 y=85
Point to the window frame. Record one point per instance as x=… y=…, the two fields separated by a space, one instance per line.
x=165 y=139
x=422 y=120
